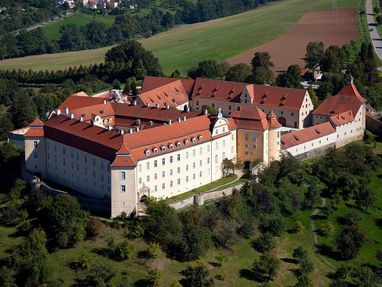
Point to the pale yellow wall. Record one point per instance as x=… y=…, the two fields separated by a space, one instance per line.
x=274 y=145
x=227 y=107
x=123 y=201
x=35 y=160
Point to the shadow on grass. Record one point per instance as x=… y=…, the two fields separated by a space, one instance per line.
x=328 y=251
x=318 y=217
x=378 y=222
x=102 y=251
x=289 y=260
x=247 y=274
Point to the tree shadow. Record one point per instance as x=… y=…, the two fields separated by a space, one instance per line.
x=318 y=217
x=102 y=251
x=328 y=251
x=247 y=274
x=289 y=260
x=143 y=283
x=214 y=264
x=378 y=222
x=144 y=254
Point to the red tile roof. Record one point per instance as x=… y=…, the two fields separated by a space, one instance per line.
x=305 y=135
x=218 y=90
x=348 y=99
x=277 y=97
x=151 y=83
x=342 y=118
x=250 y=117
x=79 y=100
x=35 y=128
x=272 y=121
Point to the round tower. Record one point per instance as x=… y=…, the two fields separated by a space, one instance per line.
x=274 y=146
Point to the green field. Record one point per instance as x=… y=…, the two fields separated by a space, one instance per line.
x=186 y=45
x=80 y=19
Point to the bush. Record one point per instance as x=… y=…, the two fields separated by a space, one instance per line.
x=196 y=275
x=153 y=250
x=99 y=275
x=264 y=243
x=265 y=268
x=121 y=251
x=94 y=228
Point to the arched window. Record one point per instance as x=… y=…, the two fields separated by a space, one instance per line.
x=155 y=150
x=186 y=142
x=163 y=148
x=147 y=152
x=178 y=144
x=193 y=140
x=171 y=146
x=200 y=138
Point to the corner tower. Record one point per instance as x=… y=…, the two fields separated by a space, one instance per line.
x=274 y=146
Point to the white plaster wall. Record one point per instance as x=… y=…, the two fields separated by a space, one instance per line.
x=123 y=201
x=312 y=145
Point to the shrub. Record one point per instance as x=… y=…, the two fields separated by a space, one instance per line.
x=153 y=250
x=121 y=251
x=99 y=275
x=264 y=243
x=265 y=268
x=196 y=275
x=94 y=228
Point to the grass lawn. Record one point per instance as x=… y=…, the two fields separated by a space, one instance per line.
x=184 y=46
x=220 y=182
x=81 y=19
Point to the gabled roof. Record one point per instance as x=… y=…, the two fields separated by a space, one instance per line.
x=218 y=90
x=348 y=99
x=306 y=135
x=250 y=117
x=342 y=118
x=277 y=97
x=36 y=129
x=79 y=100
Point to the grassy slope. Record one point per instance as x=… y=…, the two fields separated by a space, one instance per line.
x=186 y=45
x=80 y=19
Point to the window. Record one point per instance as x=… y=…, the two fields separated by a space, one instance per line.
x=208 y=160
x=171 y=146
x=186 y=167
x=155 y=176
x=163 y=148
x=186 y=178
x=216 y=158
x=35 y=154
x=147 y=152
x=178 y=157
x=178 y=170
x=163 y=161
x=155 y=150
x=194 y=165
x=223 y=130
x=171 y=159
x=163 y=185
x=200 y=138
x=193 y=176
x=200 y=173
x=148 y=178
x=155 y=163
x=163 y=174
x=187 y=154
x=223 y=143
x=200 y=151
x=123 y=188
x=186 y=142
x=178 y=181
x=178 y=144
x=35 y=143
x=122 y=175
x=94 y=163
x=140 y=180
x=223 y=156
x=171 y=183
x=101 y=165
x=246 y=136
x=85 y=159
x=216 y=145
x=147 y=165
x=254 y=146
x=140 y=167
x=193 y=152
x=193 y=140
x=155 y=188
x=200 y=162
x=208 y=148
x=171 y=171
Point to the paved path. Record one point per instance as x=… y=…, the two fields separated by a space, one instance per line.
x=372 y=25
x=315 y=236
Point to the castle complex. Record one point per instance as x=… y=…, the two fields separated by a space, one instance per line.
x=164 y=142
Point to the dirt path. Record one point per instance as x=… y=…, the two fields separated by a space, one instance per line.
x=371 y=23
x=332 y=27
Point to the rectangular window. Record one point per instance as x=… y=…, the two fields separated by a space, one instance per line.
x=171 y=159
x=171 y=183
x=155 y=163
x=216 y=158
x=193 y=176
x=178 y=157
x=147 y=165
x=186 y=167
x=208 y=148
x=178 y=170
x=187 y=154
x=171 y=172
x=85 y=159
x=193 y=165
x=200 y=174
x=178 y=181
x=63 y=151
x=155 y=176
x=35 y=154
x=193 y=152
x=35 y=143
x=155 y=188
x=140 y=167
x=163 y=185
x=200 y=162
x=163 y=161
x=94 y=163
x=223 y=143
x=200 y=151
x=148 y=178
x=140 y=180
x=186 y=178
x=123 y=188
x=246 y=136
x=254 y=146
x=122 y=175
x=163 y=174
x=208 y=160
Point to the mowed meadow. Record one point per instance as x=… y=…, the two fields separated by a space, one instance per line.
x=184 y=46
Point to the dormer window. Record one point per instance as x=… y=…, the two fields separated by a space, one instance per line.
x=200 y=138
x=186 y=142
x=171 y=146
x=178 y=144
x=163 y=148
x=193 y=140
x=155 y=150
x=147 y=152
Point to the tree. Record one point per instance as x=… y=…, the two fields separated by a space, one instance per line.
x=261 y=68
x=265 y=268
x=116 y=84
x=315 y=52
x=209 y=69
x=94 y=228
x=290 y=79
x=238 y=73
x=227 y=167
x=121 y=251
x=63 y=221
x=349 y=242
x=196 y=275
x=34 y=269
x=99 y=275
x=21 y=111
x=299 y=253
x=379 y=19
x=264 y=243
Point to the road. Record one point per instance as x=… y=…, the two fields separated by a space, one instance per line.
x=376 y=39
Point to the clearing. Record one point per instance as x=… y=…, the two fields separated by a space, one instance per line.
x=184 y=46
x=332 y=27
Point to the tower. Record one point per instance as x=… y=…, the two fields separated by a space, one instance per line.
x=274 y=146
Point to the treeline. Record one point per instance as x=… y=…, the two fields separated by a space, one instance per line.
x=126 y=26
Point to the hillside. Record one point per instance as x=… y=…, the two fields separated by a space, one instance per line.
x=186 y=45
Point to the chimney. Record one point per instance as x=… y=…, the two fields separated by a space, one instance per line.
x=157 y=106
x=184 y=118
x=66 y=111
x=170 y=122
x=72 y=116
x=58 y=112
